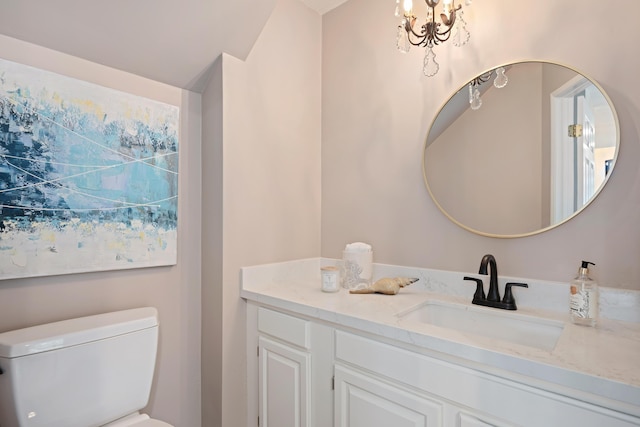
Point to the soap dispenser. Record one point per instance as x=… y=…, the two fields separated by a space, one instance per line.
x=583 y=300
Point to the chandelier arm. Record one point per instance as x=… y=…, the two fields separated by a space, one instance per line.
x=451 y=19
x=448 y=22
x=418 y=43
x=423 y=37
x=442 y=37
x=408 y=25
x=427 y=37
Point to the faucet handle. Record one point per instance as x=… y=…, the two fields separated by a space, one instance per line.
x=508 y=295
x=479 y=295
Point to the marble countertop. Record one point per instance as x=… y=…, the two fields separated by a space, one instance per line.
x=586 y=362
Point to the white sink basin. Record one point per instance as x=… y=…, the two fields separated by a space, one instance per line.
x=493 y=323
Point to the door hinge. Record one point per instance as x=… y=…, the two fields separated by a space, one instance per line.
x=258 y=351
x=575 y=131
x=258 y=420
x=333 y=382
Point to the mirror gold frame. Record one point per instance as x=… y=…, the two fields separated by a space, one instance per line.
x=460 y=199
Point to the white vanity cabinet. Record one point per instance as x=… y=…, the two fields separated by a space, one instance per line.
x=392 y=370
x=310 y=373
x=376 y=380
x=292 y=376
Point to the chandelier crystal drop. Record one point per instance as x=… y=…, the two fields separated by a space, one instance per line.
x=474 y=97
x=402 y=42
x=460 y=33
x=430 y=67
x=437 y=28
x=398 y=12
x=500 y=81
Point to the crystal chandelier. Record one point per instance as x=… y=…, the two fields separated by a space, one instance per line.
x=431 y=33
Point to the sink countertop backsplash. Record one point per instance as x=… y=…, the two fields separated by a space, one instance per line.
x=616 y=304
x=601 y=361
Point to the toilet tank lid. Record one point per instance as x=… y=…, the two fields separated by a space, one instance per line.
x=66 y=333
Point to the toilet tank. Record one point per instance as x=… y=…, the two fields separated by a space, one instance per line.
x=78 y=373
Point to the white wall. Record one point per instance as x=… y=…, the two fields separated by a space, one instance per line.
x=269 y=189
x=377 y=108
x=174 y=290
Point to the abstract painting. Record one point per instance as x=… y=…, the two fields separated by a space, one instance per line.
x=88 y=176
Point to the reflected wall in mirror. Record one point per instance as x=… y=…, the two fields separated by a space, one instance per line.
x=531 y=156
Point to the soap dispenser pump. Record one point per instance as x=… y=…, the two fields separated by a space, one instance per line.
x=583 y=301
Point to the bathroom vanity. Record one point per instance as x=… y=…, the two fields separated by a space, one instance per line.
x=427 y=357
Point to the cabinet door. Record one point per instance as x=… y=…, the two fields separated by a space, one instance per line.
x=471 y=421
x=284 y=385
x=363 y=401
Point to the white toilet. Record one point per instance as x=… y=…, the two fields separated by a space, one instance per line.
x=85 y=372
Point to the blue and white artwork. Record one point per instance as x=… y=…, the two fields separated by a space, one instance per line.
x=88 y=176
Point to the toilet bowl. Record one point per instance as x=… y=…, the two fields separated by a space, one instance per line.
x=89 y=371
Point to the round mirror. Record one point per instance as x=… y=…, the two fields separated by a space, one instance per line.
x=521 y=149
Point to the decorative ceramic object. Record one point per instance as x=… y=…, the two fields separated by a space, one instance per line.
x=387 y=286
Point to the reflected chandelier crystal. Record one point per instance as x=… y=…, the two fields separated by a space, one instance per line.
x=501 y=80
x=431 y=33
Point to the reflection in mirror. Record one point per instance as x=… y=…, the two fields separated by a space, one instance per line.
x=532 y=155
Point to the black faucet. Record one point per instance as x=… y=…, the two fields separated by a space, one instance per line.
x=493 y=297
x=489 y=261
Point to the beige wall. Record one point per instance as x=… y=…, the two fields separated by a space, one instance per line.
x=269 y=189
x=174 y=290
x=261 y=119
x=377 y=108
x=212 y=248
x=262 y=125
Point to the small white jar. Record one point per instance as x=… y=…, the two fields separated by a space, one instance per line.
x=330 y=281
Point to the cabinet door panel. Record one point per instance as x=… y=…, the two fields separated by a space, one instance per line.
x=470 y=421
x=284 y=385
x=362 y=401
